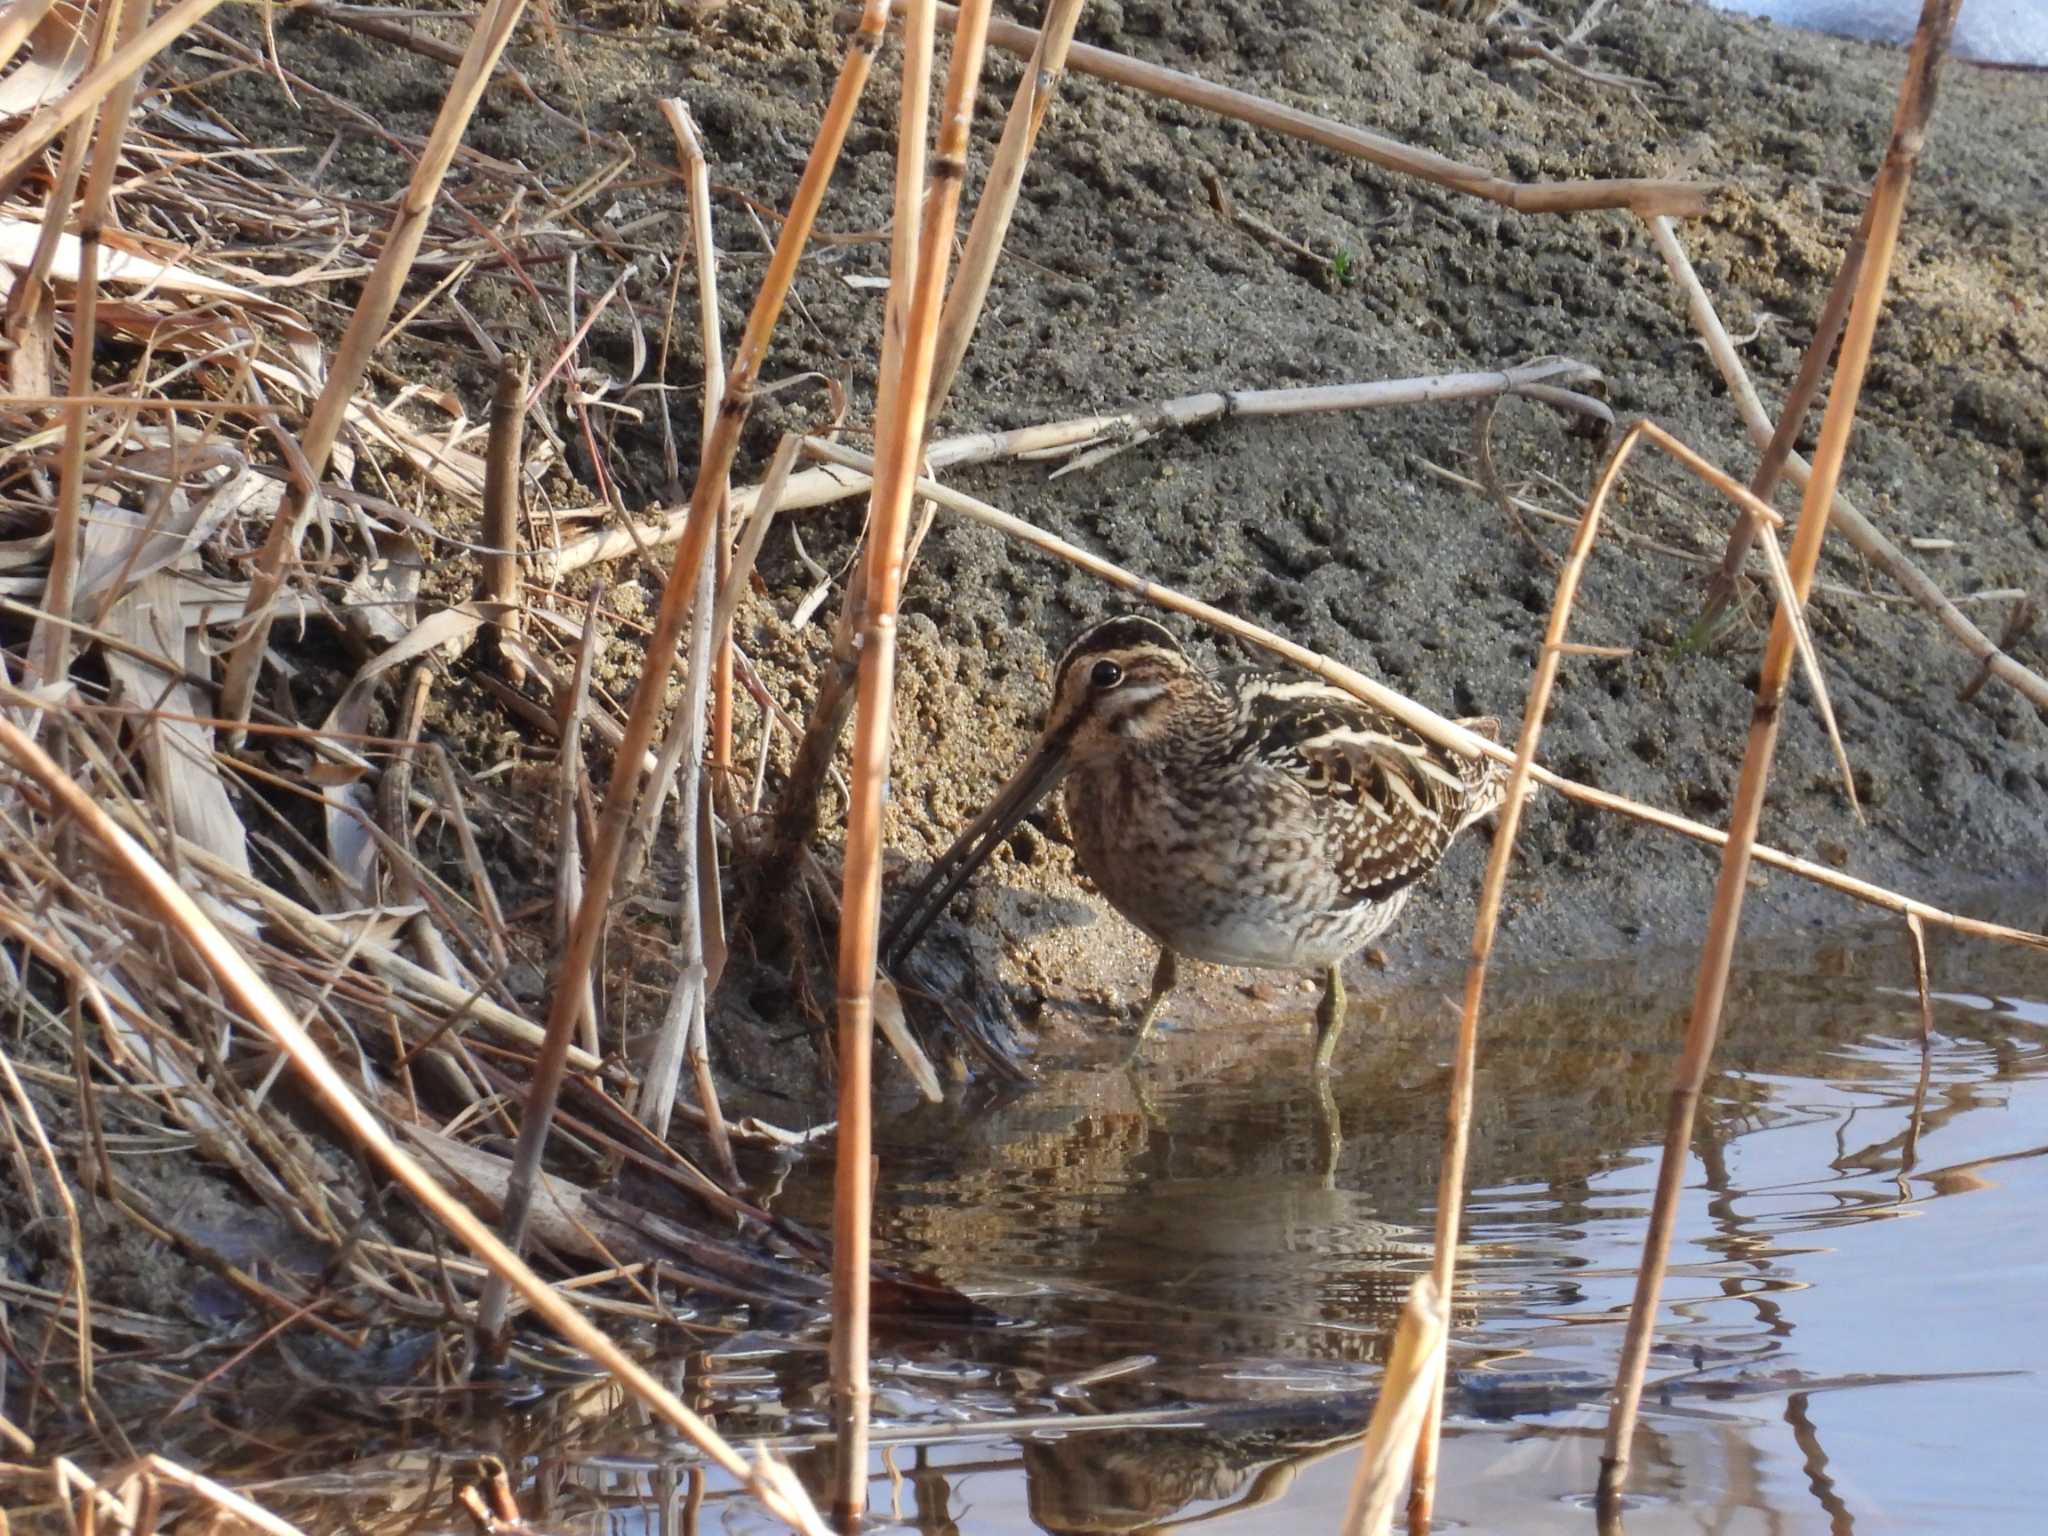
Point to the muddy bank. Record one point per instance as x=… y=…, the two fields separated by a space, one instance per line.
x=1124 y=284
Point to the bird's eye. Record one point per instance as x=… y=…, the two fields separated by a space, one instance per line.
x=1107 y=674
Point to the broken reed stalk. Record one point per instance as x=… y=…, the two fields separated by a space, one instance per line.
x=1679 y=198
x=969 y=293
x=21 y=147
x=500 y=534
x=920 y=243
x=642 y=714
x=682 y=753
x=1450 y=1191
x=54 y=660
x=351 y=358
x=1414 y=1364
x=697 y=170
x=251 y=994
x=1863 y=535
x=1426 y=722
x=1894 y=177
x=1791 y=413
x=820 y=487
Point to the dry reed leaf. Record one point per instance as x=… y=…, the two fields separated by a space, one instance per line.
x=58 y=51
x=350 y=809
x=178 y=753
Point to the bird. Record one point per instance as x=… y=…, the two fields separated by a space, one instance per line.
x=1242 y=817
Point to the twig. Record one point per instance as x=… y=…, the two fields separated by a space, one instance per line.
x=1062 y=439
x=1916 y=101
x=698 y=173
x=1425 y=722
x=1682 y=199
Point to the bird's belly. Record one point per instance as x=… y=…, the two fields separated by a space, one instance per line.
x=1263 y=897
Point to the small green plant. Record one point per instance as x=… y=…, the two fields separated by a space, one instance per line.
x=1343 y=267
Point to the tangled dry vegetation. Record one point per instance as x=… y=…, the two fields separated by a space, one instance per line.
x=253 y=918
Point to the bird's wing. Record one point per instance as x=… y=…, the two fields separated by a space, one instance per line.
x=1392 y=801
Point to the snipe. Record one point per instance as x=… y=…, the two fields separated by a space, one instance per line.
x=1244 y=817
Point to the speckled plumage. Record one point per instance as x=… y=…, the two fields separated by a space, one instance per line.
x=1246 y=818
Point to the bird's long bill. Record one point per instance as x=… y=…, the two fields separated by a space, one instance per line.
x=1030 y=784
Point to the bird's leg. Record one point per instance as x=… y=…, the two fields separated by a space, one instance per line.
x=1164 y=975
x=1329 y=1018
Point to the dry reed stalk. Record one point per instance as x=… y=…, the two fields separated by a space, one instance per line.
x=500 y=532
x=51 y=661
x=697 y=171
x=1791 y=413
x=1426 y=722
x=683 y=1028
x=622 y=796
x=1863 y=535
x=352 y=353
x=254 y=999
x=1415 y=1366
x=1450 y=1192
x=999 y=189
x=921 y=240
x=1679 y=198
x=94 y=86
x=821 y=487
x=1887 y=209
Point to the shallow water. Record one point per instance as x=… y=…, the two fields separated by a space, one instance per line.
x=1851 y=1336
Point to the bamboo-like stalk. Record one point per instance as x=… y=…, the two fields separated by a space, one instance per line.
x=253 y=996
x=921 y=240
x=992 y=215
x=501 y=505
x=21 y=147
x=1681 y=199
x=1867 y=539
x=1894 y=177
x=1450 y=1199
x=352 y=354
x=55 y=658
x=1426 y=722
